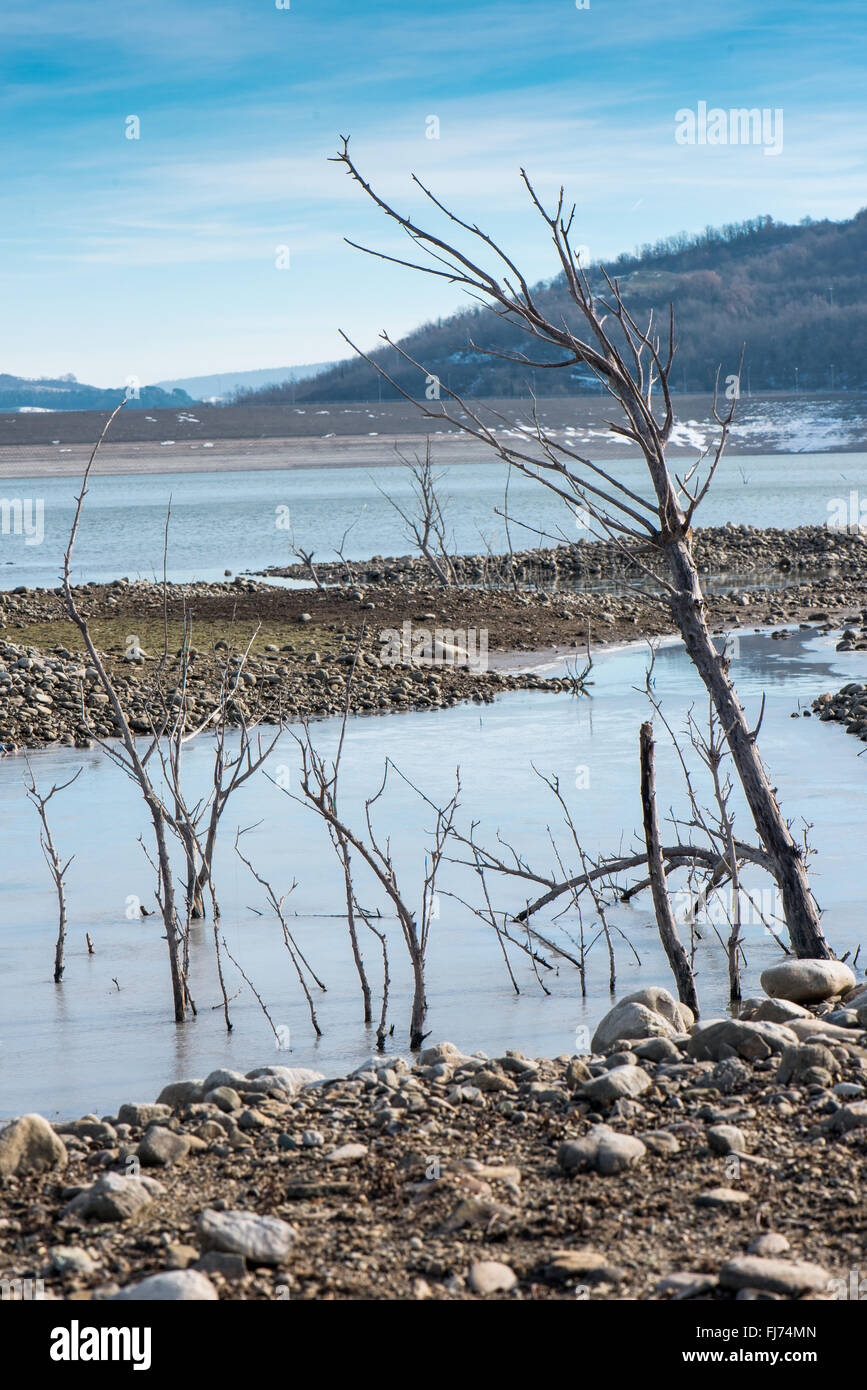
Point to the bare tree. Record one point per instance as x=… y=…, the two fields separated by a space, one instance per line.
x=630 y=363
x=319 y=787
x=170 y=729
x=56 y=866
x=427 y=527
x=672 y=944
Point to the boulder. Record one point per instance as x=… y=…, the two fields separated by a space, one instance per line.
x=114 y=1198
x=173 y=1286
x=731 y=1038
x=793 y=1277
x=490 y=1276
x=771 y=1011
x=602 y=1149
x=660 y=1001
x=160 y=1147
x=180 y=1093
x=292 y=1079
x=630 y=1020
x=30 y=1145
x=804 y=1028
x=726 y=1139
x=263 y=1240
x=795 y=1061
x=619 y=1081
x=140 y=1116
x=807 y=981
x=226 y=1098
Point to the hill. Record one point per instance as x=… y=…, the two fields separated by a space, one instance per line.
x=796 y=295
x=65 y=393
x=222 y=386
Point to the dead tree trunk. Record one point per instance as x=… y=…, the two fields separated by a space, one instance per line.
x=799 y=907
x=677 y=957
x=633 y=367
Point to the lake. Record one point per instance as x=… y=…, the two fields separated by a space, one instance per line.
x=229 y=521
x=106 y=1035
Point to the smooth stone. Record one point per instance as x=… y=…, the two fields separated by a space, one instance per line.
x=662 y=1002
x=587 y=1264
x=180 y=1093
x=292 y=1079
x=30 y=1145
x=726 y=1139
x=629 y=1021
x=161 y=1147
x=114 y=1198
x=620 y=1081
x=685 y=1284
x=657 y=1050
x=224 y=1097
x=771 y=1011
x=807 y=981
x=773 y=1276
x=260 y=1239
x=172 y=1286
x=722 y=1197
x=142 y=1115
x=768 y=1244
x=490 y=1276
x=806 y=1028
x=751 y=1041
x=795 y=1061
x=347 y=1153
x=70 y=1259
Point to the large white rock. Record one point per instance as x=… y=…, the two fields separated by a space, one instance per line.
x=114 y=1197
x=601 y=1148
x=264 y=1240
x=792 y=1277
x=661 y=1001
x=730 y=1038
x=174 y=1286
x=293 y=1079
x=771 y=1011
x=807 y=981
x=630 y=1020
x=619 y=1081
x=29 y=1145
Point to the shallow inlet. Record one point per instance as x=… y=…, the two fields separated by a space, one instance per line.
x=88 y=1045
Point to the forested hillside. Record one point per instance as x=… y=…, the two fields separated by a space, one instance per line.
x=796 y=295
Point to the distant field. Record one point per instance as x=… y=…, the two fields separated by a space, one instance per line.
x=219 y=439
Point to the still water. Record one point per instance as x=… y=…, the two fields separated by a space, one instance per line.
x=106 y=1035
x=229 y=521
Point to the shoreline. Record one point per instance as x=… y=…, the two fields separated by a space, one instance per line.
x=304 y=640
x=665 y=1160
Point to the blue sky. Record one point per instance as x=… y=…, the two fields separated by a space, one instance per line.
x=157 y=257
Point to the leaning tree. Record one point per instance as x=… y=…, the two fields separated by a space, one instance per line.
x=635 y=370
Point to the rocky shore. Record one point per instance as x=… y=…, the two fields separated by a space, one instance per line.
x=302 y=641
x=723 y=550
x=671 y=1160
